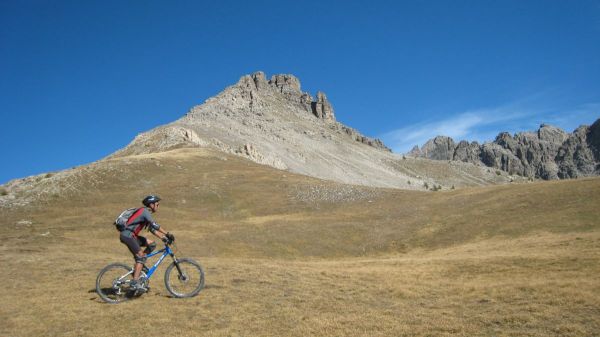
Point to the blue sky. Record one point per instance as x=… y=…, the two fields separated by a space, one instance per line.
x=79 y=79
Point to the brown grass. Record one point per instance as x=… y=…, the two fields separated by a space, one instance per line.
x=518 y=260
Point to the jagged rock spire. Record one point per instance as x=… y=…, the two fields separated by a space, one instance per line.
x=322 y=108
x=286 y=84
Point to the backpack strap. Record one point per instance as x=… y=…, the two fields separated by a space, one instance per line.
x=134 y=216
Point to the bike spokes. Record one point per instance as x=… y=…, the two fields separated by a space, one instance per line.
x=184 y=279
x=113 y=283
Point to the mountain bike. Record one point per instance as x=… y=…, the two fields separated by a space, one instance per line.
x=184 y=277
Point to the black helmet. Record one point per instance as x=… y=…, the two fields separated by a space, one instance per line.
x=150 y=200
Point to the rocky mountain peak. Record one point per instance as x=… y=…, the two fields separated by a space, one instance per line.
x=273 y=122
x=259 y=79
x=286 y=84
x=256 y=87
x=439 y=148
x=551 y=134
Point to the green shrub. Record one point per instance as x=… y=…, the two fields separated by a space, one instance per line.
x=3 y=191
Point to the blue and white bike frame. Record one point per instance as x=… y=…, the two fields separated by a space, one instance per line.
x=165 y=251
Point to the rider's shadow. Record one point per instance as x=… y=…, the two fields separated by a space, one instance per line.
x=155 y=293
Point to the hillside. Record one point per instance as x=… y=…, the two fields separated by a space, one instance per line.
x=287 y=254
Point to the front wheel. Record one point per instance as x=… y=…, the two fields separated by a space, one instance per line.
x=184 y=278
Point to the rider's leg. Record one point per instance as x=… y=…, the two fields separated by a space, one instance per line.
x=133 y=244
x=140 y=258
x=150 y=246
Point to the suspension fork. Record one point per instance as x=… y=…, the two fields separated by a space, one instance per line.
x=177 y=265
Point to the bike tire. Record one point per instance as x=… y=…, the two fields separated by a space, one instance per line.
x=112 y=283
x=192 y=280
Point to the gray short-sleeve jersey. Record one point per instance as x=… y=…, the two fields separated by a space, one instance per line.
x=144 y=220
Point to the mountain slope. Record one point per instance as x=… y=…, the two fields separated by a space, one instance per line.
x=273 y=122
x=263 y=209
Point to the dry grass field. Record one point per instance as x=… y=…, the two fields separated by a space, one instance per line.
x=288 y=255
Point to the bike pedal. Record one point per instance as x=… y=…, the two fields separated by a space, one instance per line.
x=140 y=291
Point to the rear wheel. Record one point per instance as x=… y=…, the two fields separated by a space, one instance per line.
x=113 y=283
x=185 y=281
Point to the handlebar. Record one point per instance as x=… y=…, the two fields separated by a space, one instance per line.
x=168 y=239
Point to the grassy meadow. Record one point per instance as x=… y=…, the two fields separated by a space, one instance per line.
x=288 y=255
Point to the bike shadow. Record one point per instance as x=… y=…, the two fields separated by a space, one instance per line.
x=151 y=293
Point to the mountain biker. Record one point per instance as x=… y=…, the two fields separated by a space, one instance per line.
x=130 y=237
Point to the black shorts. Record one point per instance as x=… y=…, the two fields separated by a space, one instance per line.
x=134 y=243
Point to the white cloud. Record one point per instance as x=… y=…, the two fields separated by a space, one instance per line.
x=484 y=124
x=471 y=125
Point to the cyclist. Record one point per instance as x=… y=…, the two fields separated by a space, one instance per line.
x=130 y=237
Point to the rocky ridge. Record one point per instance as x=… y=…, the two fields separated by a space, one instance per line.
x=549 y=153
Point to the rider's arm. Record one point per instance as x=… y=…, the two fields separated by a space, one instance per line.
x=158 y=231
x=155 y=229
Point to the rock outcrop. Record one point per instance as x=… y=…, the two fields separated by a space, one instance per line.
x=549 y=153
x=439 y=148
x=322 y=108
x=579 y=156
x=467 y=152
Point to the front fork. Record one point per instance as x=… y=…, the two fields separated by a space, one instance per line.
x=182 y=275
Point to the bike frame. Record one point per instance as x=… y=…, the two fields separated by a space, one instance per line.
x=165 y=251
